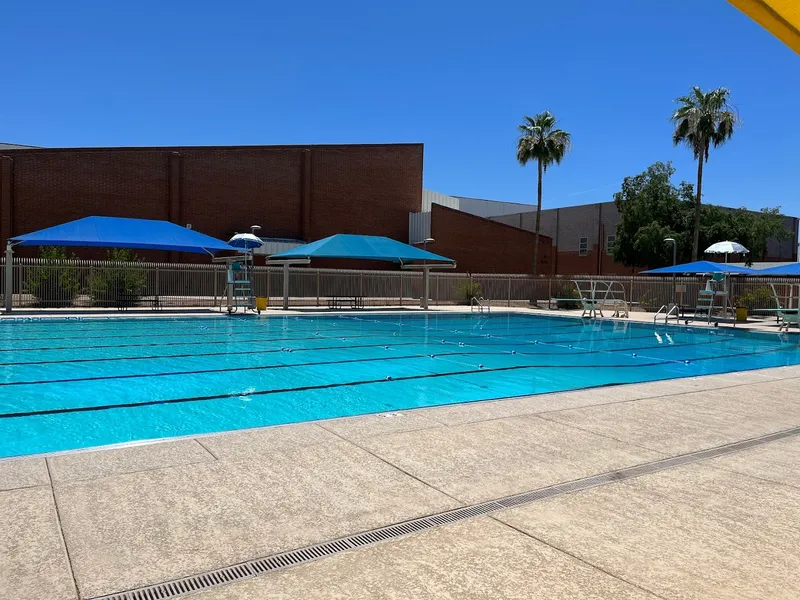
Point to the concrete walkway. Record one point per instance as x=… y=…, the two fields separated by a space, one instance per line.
x=86 y=524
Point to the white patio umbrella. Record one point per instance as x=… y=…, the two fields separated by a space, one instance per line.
x=727 y=248
x=247 y=241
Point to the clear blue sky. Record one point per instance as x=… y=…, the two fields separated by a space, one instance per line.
x=457 y=76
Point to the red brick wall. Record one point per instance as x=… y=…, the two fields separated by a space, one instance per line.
x=482 y=246
x=572 y=263
x=303 y=192
x=225 y=190
x=357 y=190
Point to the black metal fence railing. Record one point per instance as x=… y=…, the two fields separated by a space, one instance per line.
x=81 y=283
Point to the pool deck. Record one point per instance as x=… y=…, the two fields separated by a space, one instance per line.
x=92 y=523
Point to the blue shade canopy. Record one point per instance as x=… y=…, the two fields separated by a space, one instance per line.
x=118 y=232
x=791 y=270
x=362 y=247
x=702 y=266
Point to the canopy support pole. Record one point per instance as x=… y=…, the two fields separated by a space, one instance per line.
x=286 y=286
x=426 y=278
x=9 y=291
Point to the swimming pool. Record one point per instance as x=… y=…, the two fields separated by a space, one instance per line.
x=69 y=384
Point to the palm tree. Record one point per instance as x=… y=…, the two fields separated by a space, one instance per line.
x=539 y=140
x=703 y=119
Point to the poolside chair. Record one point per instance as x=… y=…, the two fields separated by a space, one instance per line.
x=786 y=312
x=789 y=318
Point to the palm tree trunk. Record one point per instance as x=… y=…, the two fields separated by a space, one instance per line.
x=538 y=223
x=696 y=233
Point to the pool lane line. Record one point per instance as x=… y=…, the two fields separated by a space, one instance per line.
x=288 y=340
x=340 y=331
x=210 y=331
x=308 y=388
x=230 y=340
x=241 y=322
x=201 y=354
x=596 y=327
x=263 y=340
x=316 y=348
x=427 y=356
x=249 y=368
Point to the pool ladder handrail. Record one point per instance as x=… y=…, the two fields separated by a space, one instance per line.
x=479 y=302
x=668 y=310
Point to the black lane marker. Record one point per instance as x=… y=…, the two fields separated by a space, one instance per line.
x=335 y=362
x=238 y=353
x=307 y=388
x=228 y=341
x=356 y=346
x=242 y=323
x=249 y=329
x=288 y=340
x=244 y=330
x=252 y=368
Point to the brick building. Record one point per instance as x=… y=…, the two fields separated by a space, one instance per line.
x=298 y=192
x=480 y=245
x=582 y=236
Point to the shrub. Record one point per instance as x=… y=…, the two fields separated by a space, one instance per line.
x=118 y=284
x=756 y=298
x=567 y=290
x=52 y=284
x=465 y=290
x=649 y=303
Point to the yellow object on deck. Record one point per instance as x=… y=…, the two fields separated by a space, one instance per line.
x=780 y=17
x=741 y=314
x=261 y=303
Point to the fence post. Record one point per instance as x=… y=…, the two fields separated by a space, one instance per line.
x=20 y=279
x=401 y=288
x=317 y=287
x=632 y=290
x=157 y=303
x=361 y=285
x=509 y=290
x=437 y=290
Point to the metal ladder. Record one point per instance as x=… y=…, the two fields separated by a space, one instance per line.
x=668 y=310
x=242 y=294
x=237 y=290
x=479 y=303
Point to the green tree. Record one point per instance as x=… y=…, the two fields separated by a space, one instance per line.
x=119 y=282
x=751 y=230
x=652 y=208
x=53 y=283
x=541 y=141
x=702 y=120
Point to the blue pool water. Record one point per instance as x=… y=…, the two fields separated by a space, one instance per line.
x=68 y=384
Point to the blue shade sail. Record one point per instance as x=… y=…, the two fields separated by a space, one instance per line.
x=362 y=247
x=119 y=232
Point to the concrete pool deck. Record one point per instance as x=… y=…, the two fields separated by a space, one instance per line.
x=91 y=523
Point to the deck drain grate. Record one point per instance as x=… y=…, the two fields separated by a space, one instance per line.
x=211 y=579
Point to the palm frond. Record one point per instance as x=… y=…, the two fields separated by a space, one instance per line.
x=540 y=140
x=703 y=119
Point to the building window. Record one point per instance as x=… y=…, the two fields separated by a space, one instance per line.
x=583 y=246
x=610 y=239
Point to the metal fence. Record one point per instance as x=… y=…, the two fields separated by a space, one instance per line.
x=78 y=283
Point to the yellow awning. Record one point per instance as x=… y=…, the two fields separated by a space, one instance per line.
x=780 y=17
